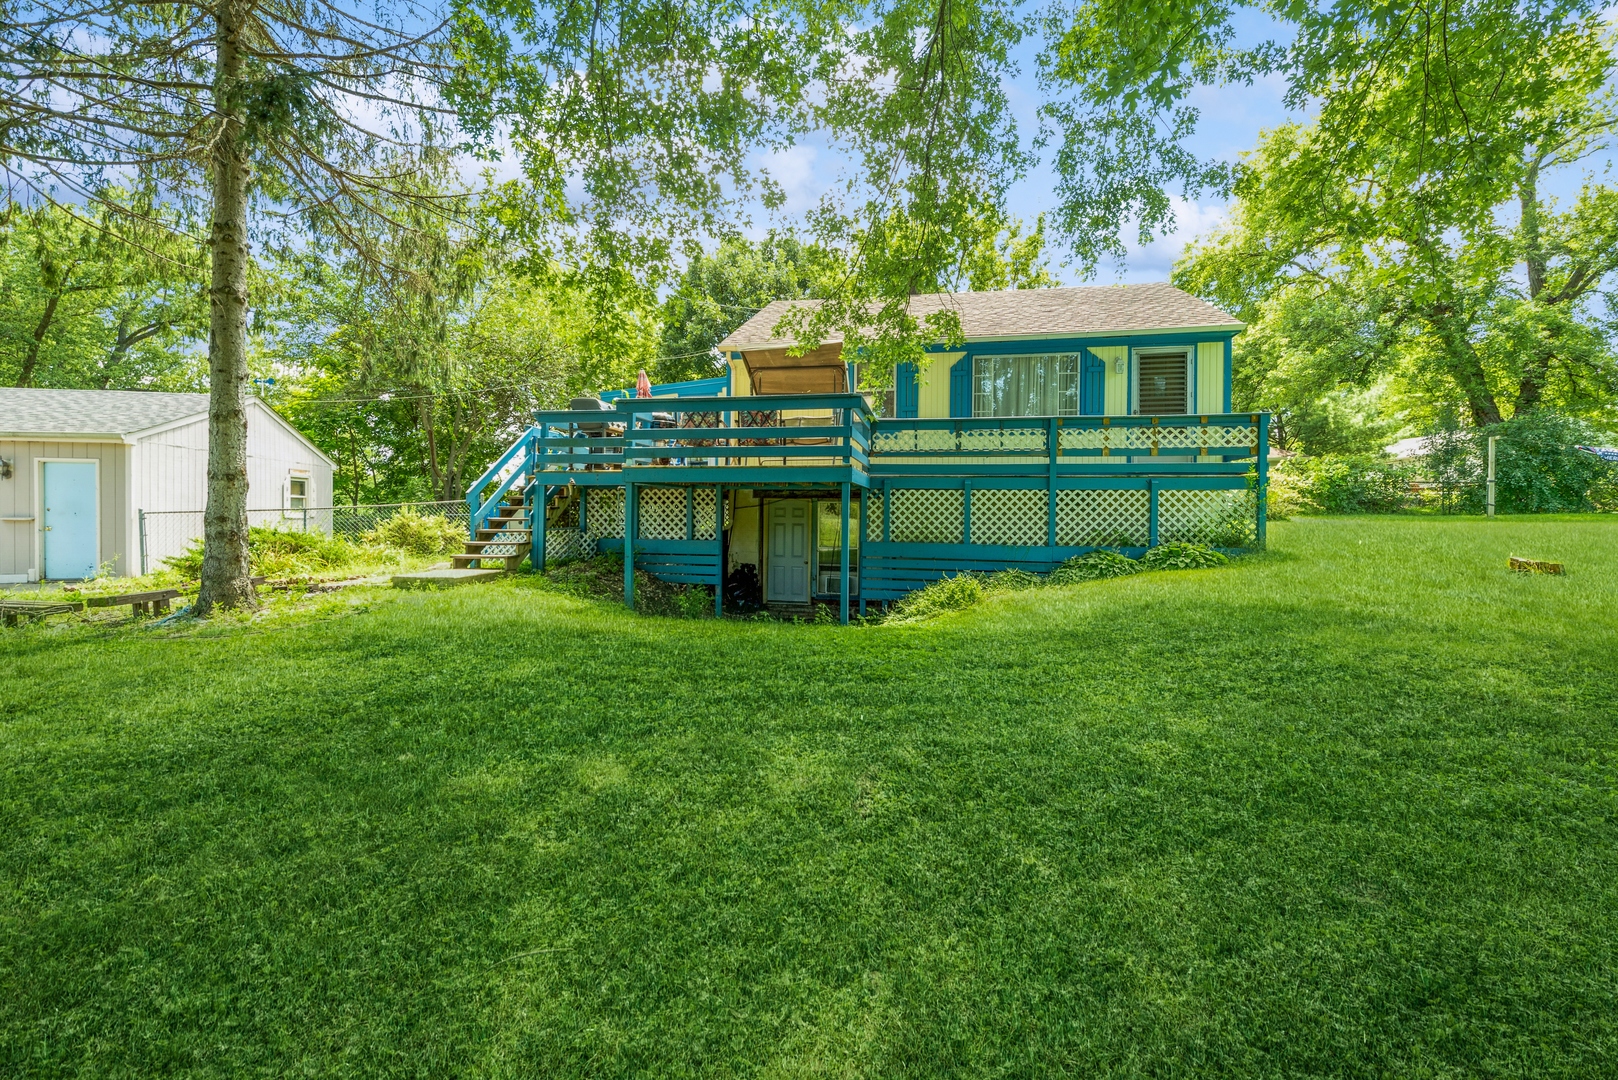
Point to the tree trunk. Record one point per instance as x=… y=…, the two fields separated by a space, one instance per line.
x=1536 y=367
x=26 y=375
x=226 y=572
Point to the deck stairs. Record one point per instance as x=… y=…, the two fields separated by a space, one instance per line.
x=504 y=539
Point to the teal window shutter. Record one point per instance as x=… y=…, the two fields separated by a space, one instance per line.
x=906 y=394
x=960 y=387
x=1092 y=385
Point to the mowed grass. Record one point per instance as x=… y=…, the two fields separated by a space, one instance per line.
x=1349 y=808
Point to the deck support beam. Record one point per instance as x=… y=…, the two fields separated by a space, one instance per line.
x=539 y=502
x=719 y=538
x=843 y=570
x=1151 y=513
x=631 y=522
x=1262 y=511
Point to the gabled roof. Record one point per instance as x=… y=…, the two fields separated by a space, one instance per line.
x=1029 y=313
x=109 y=414
x=102 y=413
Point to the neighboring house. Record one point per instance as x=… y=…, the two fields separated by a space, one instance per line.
x=1067 y=420
x=82 y=465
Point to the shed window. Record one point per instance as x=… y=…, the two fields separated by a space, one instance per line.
x=1164 y=388
x=1045 y=385
x=298 y=493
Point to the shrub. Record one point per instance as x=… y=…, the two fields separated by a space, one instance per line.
x=1012 y=581
x=1093 y=566
x=1537 y=468
x=1181 y=557
x=948 y=594
x=415 y=534
x=278 y=553
x=1350 y=484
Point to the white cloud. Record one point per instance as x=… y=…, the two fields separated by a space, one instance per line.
x=1153 y=261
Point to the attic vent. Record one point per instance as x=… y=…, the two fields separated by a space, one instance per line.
x=1163 y=384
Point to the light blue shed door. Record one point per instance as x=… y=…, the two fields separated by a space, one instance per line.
x=70 y=520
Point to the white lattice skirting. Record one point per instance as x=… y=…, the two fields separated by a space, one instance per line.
x=1103 y=518
x=567 y=543
x=1216 y=518
x=661 y=513
x=604 y=512
x=926 y=516
x=1009 y=516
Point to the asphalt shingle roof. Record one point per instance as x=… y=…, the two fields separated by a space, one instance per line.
x=91 y=412
x=1086 y=309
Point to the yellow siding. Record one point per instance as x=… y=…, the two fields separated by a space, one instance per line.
x=933 y=400
x=740 y=384
x=1117 y=396
x=1210 y=376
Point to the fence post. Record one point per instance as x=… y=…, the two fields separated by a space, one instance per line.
x=142 y=514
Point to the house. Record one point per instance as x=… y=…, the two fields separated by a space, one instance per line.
x=81 y=467
x=1067 y=420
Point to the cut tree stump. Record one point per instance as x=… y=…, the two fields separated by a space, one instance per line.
x=1535 y=566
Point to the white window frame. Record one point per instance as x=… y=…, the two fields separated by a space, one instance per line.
x=295 y=476
x=1186 y=352
x=1075 y=357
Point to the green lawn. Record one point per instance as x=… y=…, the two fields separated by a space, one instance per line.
x=1349 y=809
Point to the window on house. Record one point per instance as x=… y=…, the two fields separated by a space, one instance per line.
x=1164 y=386
x=1045 y=385
x=878 y=398
x=297 y=493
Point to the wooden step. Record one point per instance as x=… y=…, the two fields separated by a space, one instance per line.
x=513 y=535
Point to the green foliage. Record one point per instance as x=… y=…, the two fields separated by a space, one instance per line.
x=1342 y=484
x=723 y=289
x=81 y=308
x=1451 y=280
x=1012 y=581
x=1537 y=469
x=1179 y=556
x=417 y=534
x=1093 y=566
x=279 y=553
x=602 y=578
x=945 y=595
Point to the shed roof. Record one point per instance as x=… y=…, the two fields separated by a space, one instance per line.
x=1017 y=313
x=28 y=412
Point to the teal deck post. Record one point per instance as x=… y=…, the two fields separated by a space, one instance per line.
x=843 y=605
x=1054 y=434
x=719 y=537
x=540 y=496
x=1263 y=420
x=1151 y=513
x=631 y=522
x=862 y=523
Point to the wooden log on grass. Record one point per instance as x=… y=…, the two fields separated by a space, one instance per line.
x=1535 y=566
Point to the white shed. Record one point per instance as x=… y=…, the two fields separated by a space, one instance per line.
x=77 y=468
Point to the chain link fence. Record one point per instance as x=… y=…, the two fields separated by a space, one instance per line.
x=165 y=534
